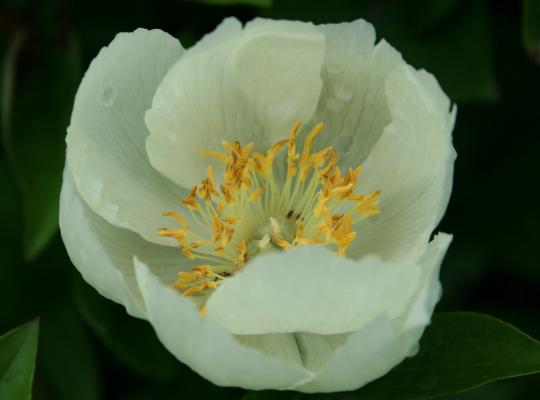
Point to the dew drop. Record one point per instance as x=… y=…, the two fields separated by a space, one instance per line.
x=333 y=68
x=108 y=96
x=343 y=92
x=334 y=104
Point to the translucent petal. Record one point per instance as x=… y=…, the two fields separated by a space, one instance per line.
x=247 y=84
x=378 y=347
x=353 y=103
x=412 y=164
x=309 y=289
x=103 y=253
x=106 y=137
x=208 y=349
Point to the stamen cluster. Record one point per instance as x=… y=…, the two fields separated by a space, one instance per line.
x=257 y=208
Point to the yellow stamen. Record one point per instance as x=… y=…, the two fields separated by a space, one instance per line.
x=256 y=194
x=190 y=201
x=253 y=207
x=281 y=242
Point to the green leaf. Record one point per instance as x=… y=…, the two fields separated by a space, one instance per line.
x=17 y=362
x=39 y=84
x=258 y=3
x=531 y=28
x=458 y=352
x=63 y=334
x=131 y=340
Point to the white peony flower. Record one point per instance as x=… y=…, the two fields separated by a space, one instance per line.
x=217 y=193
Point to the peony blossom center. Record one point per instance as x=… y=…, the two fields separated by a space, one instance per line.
x=267 y=202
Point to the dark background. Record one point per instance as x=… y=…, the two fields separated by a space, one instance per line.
x=482 y=52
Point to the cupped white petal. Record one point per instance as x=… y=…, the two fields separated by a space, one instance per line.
x=372 y=351
x=206 y=348
x=353 y=103
x=310 y=289
x=366 y=355
x=429 y=291
x=306 y=350
x=247 y=84
x=412 y=164
x=106 y=137
x=103 y=253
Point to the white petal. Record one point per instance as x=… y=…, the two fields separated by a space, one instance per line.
x=412 y=163
x=353 y=103
x=103 y=253
x=207 y=349
x=309 y=289
x=306 y=350
x=249 y=85
x=368 y=354
x=429 y=291
x=106 y=138
x=378 y=347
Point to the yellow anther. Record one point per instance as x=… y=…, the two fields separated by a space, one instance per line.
x=200 y=288
x=277 y=147
x=190 y=200
x=292 y=156
x=343 y=234
x=178 y=234
x=187 y=249
x=313 y=134
x=242 y=254
x=367 y=205
x=281 y=242
x=308 y=144
x=231 y=220
x=226 y=236
x=178 y=217
x=316 y=195
x=299 y=234
x=321 y=205
x=215 y=154
x=256 y=194
x=196 y=274
x=332 y=157
x=227 y=146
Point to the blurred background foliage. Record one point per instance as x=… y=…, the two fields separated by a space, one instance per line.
x=486 y=55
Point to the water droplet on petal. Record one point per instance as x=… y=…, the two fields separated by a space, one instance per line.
x=343 y=92
x=108 y=96
x=333 y=68
x=334 y=104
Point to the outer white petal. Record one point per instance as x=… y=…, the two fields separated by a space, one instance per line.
x=103 y=253
x=247 y=84
x=106 y=137
x=372 y=351
x=206 y=348
x=309 y=289
x=353 y=102
x=412 y=163
x=306 y=350
x=429 y=292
